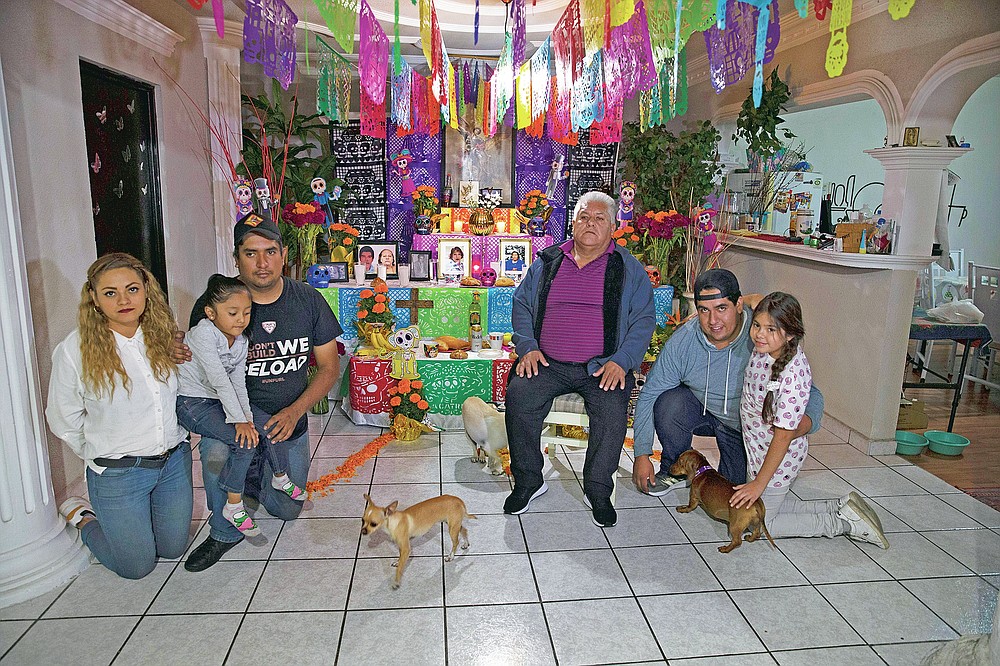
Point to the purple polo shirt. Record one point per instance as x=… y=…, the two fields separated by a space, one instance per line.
x=573 y=327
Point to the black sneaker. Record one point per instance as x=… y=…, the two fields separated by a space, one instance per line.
x=517 y=502
x=602 y=511
x=208 y=553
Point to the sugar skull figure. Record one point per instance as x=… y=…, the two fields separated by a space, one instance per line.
x=322 y=199
x=404 y=353
x=263 y=193
x=654 y=275
x=243 y=189
x=706 y=228
x=626 y=203
x=401 y=162
x=488 y=277
x=318 y=276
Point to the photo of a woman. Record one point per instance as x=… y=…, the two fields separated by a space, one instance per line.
x=454 y=257
x=456 y=263
x=388 y=259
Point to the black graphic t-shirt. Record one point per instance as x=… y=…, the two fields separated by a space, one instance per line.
x=282 y=335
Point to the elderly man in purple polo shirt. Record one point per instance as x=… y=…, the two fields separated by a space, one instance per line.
x=583 y=317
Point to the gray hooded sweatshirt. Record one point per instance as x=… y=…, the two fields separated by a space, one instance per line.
x=715 y=376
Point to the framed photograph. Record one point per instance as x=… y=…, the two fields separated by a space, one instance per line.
x=490 y=197
x=454 y=259
x=378 y=253
x=420 y=265
x=515 y=257
x=468 y=193
x=911 y=136
x=952 y=141
x=338 y=271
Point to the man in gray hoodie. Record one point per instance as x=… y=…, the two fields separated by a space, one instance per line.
x=696 y=384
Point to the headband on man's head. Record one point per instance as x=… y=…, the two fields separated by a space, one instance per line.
x=717 y=278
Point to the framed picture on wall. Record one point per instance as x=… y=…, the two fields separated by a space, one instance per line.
x=468 y=193
x=515 y=257
x=911 y=136
x=454 y=259
x=420 y=265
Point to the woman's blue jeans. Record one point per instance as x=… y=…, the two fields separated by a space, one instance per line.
x=142 y=514
x=206 y=417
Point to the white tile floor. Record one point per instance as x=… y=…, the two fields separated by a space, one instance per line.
x=546 y=587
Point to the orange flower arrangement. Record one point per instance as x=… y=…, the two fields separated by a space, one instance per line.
x=407 y=398
x=534 y=203
x=342 y=235
x=373 y=306
x=425 y=201
x=629 y=239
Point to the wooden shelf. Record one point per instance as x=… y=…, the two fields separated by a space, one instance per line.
x=886 y=262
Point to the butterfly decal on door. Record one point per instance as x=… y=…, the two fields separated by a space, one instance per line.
x=119 y=189
x=102 y=115
x=127 y=154
x=95 y=166
x=120 y=124
x=131 y=106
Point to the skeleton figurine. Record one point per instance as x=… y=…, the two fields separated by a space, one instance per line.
x=322 y=199
x=244 y=196
x=625 y=203
x=263 y=197
x=404 y=353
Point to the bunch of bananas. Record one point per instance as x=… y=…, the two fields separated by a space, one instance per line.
x=379 y=345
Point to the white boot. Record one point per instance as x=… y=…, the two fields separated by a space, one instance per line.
x=864 y=524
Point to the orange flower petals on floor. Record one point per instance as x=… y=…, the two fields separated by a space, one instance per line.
x=322 y=485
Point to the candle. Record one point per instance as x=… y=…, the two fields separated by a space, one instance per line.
x=381 y=272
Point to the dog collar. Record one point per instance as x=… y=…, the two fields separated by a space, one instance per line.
x=703 y=468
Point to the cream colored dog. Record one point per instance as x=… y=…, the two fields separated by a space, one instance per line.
x=405 y=524
x=485 y=426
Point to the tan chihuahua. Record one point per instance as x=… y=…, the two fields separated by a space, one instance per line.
x=405 y=524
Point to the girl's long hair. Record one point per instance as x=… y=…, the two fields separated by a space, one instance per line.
x=219 y=289
x=101 y=363
x=786 y=313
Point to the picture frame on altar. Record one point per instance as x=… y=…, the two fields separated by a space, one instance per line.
x=515 y=257
x=911 y=136
x=454 y=259
x=385 y=253
x=420 y=265
x=468 y=193
x=338 y=271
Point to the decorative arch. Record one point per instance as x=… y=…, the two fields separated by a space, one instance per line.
x=947 y=86
x=851 y=87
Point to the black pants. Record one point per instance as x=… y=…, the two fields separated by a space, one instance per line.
x=529 y=401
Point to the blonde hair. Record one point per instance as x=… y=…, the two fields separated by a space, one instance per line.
x=101 y=363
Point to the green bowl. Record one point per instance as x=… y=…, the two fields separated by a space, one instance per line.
x=909 y=443
x=946 y=443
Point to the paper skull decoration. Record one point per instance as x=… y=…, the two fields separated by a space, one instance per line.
x=488 y=277
x=654 y=275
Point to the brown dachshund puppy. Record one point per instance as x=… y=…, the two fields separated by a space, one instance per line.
x=713 y=491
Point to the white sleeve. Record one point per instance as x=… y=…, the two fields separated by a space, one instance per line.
x=65 y=410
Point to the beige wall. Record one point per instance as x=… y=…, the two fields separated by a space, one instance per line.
x=41 y=45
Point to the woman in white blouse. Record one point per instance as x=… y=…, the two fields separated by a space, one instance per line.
x=112 y=396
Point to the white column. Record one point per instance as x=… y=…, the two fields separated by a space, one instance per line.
x=38 y=551
x=912 y=192
x=223 y=59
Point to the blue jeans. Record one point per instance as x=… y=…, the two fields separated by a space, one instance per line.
x=142 y=514
x=214 y=455
x=206 y=417
x=677 y=415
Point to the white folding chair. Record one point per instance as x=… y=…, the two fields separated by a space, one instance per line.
x=984 y=289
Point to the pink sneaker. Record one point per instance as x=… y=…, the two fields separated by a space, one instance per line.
x=242 y=521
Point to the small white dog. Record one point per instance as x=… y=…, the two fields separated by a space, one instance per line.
x=485 y=426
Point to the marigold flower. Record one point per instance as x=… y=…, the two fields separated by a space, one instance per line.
x=622 y=242
x=414 y=398
x=395 y=401
x=382 y=288
x=422 y=404
x=348 y=240
x=404 y=385
x=380 y=298
x=417 y=384
x=378 y=308
x=634 y=238
x=362 y=314
x=367 y=293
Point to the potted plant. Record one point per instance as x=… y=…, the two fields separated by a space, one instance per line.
x=303 y=223
x=425 y=204
x=535 y=209
x=407 y=400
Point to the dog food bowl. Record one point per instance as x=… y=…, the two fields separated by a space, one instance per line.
x=946 y=443
x=909 y=443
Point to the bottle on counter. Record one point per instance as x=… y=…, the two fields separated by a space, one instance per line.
x=476 y=317
x=447 y=192
x=476 y=338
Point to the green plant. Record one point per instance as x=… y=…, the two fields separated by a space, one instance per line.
x=757 y=126
x=669 y=170
x=289 y=149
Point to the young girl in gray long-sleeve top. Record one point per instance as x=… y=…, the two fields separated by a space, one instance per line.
x=212 y=399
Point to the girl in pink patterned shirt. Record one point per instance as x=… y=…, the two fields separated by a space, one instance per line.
x=775 y=393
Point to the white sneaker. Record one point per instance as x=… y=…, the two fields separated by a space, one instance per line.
x=860 y=502
x=862 y=527
x=75 y=509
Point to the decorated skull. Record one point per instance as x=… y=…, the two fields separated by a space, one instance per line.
x=318 y=276
x=654 y=275
x=318 y=185
x=488 y=277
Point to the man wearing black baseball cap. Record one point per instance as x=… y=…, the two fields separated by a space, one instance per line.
x=696 y=384
x=289 y=321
